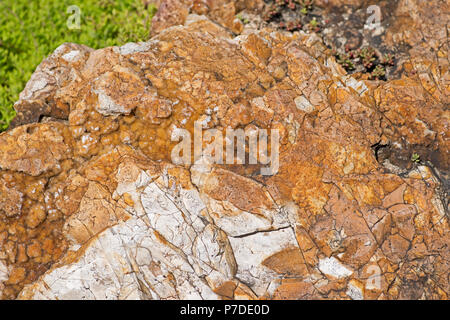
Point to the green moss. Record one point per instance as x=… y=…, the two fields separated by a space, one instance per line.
x=32 y=29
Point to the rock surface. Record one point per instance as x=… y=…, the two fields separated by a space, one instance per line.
x=91 y=206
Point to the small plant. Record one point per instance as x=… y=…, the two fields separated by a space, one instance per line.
x=387 y=60
x=291 y=5
x=243 y=20
x=314 y=25
x=293 y=26
x=290 y=26
x=273 y=11
x=368 y=57
x=366 y=52
x=378 y=73
x=351 y=53
x=278 y=11
x=365 y=60
x=345 y=61
x=306 y=5
x=415 y=158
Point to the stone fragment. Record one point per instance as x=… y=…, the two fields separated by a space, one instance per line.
x=34 y=149
x=11 y=204
x=303 y=104
x=332 y=267
x=36 y=216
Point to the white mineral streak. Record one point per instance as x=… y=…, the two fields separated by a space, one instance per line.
x=358 y=86
x=4 y=275
x=332 y=267
x=108 y=106
x=252 y=250
x=3 y=272
x=133 y=47
x=72 y=56
x=169 y=248
x=354 y=292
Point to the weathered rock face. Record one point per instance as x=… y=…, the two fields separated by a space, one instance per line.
x=92 y=207
x=223 y=12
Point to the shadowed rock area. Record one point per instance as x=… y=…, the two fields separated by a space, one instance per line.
x=91 y=206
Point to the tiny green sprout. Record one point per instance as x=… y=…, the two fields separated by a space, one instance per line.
x=415 y=158
x=243 y=20
x=304 y=10
x=313 y=22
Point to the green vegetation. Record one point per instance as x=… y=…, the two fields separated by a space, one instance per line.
x=346 y=61
x=292 y=15
x=378 y=73
x=243 y=20
x=367 y=59
x=415 y=158
x=32 y=29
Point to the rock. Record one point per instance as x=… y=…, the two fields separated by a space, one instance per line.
x=223 y=12
x=36 y=216
x=34 y=249
x=16 y=276
x=38 y=99
x=35 y=149
x=95 y=195
x=303 y=104
x=11 y=205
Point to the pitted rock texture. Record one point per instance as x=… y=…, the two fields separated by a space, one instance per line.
x=91 y=206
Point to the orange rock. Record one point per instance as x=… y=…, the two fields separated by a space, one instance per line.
x=294 y=289
x=90 y=192
x=34 y=249
x=16 y=276
x=288 y=262
x=36 y=216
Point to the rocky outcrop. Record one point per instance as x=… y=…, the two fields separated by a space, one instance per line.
x=92 y=207
x=222 y=12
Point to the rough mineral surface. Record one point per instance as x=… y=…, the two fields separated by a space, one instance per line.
x=91 y=206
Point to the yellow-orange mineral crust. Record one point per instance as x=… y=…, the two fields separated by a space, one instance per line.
x=89 y=196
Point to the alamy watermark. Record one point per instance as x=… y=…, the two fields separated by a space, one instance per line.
x=230 y=148
x=74 y=20
x=374 y=278
x=373 y=22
